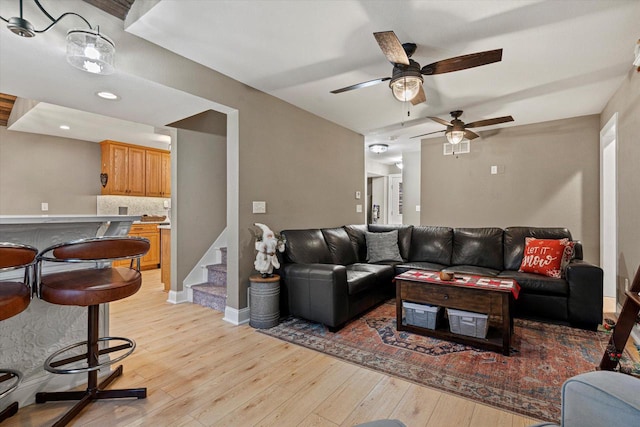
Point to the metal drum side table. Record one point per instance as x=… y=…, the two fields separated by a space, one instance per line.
x=264 y=304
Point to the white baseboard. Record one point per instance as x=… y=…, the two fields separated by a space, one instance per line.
x=178 y=297
x=235 y=316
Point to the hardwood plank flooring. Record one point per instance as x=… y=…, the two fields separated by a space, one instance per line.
x=202 y=371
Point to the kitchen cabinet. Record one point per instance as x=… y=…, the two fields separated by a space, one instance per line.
x=135 y=171
x=152 y=258
x=165 y=257
x=158 y=174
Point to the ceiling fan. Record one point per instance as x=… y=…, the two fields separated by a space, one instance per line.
x=406 y=79
x=456 y=130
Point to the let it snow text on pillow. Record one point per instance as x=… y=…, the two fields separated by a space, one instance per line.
x=546 y=256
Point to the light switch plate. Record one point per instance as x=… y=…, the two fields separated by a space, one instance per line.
x=494 y=170
x=417 y=208
x=358 y=195
x=259 y=207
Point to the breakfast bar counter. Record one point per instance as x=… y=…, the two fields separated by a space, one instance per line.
x=27 y=339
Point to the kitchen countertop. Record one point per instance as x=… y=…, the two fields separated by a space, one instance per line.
x=43 y=219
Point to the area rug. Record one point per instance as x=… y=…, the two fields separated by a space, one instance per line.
x=527 y=382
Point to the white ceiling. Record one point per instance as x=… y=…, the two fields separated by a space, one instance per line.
x=561 y=58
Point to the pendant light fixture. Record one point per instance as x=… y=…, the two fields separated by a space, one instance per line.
x=87 y=49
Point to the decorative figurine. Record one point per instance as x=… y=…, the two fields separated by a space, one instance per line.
x=267 y=243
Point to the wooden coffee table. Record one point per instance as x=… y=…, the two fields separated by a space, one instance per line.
x=479 y=294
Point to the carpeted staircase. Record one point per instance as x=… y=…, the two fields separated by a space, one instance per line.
x=213 y=293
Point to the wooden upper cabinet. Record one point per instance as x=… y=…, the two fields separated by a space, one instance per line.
x=135 y=171
x=166 y=174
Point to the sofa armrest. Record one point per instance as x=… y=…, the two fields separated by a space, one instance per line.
x=585 y=294
x=318 y=292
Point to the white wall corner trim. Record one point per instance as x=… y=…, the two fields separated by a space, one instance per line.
x=177 y=297
x=235 y=316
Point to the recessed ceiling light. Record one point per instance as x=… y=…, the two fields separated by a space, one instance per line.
x=108 y=95
x=64 y=127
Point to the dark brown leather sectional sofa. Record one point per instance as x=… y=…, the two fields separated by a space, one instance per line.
x=327 y=279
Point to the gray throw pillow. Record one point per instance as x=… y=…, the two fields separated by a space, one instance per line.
x=382 y=246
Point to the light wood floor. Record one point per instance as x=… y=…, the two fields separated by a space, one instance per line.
x=202 y=371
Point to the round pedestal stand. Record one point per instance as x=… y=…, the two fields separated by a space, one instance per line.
x=264 y=304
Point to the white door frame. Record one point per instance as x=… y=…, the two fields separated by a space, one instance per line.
x=609 y=206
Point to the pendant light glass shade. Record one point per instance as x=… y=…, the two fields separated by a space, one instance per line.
x=454 y=136
x=406 y=88
x=90 y=51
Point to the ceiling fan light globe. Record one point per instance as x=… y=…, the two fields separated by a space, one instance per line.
x=406 y=88
x=90 y=51
x=454 y=136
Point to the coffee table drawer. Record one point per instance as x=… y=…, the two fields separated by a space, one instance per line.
x=465 y=299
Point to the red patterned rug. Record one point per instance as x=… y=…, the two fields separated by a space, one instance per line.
x=528 y=382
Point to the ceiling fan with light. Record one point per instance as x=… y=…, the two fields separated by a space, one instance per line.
x=406 y=79
x=456 y=130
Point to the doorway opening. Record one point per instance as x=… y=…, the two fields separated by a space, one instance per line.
x=608 y=208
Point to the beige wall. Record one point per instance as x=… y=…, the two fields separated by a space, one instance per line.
x=199 y=211
x=38 y=168
x=306 y=168
x=550 y=177
x=626 y=102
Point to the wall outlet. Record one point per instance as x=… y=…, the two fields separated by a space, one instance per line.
x=494 y=170
x=359 y=208
x=259 y=207
x=44 y=206
x=417 y=208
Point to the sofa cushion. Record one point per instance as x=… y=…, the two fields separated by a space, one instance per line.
x=360 y=281
x=431 y=244
x=481 y=247
x=418 y=265
x=404 y=236
x=358 y=241
x=514 y=242
x=306 y=247
x=383 y=246
x=538 y=284
x=384 y=273
x=548 y=257
x=339 y=243
x=474 y=270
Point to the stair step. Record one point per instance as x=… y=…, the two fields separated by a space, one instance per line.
x=210 y=295
x=217 y=274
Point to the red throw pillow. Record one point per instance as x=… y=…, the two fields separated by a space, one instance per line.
x=546 y=256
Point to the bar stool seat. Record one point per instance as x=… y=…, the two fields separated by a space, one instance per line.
x=90 y=287
x=15 y=297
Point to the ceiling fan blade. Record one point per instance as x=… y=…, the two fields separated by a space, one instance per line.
x=391 y=47
x=430 y=133
x=441 y=121
x=463 y=62
x=470 y=135
x=361 y=85
x=489 y=122
x=420 y=97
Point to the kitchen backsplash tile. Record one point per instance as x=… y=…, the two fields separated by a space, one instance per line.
x=109 y=205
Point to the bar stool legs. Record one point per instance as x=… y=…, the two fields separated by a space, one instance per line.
x=94 y=390
x=9 y=375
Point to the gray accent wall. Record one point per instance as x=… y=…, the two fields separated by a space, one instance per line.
x=626 y=102
x=38 y=168
x=199 y=213
x=548 y=176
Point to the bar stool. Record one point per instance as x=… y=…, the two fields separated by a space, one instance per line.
x=15 y=297
x=89 y=287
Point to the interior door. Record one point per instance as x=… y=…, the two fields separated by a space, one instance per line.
x=395 y=199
